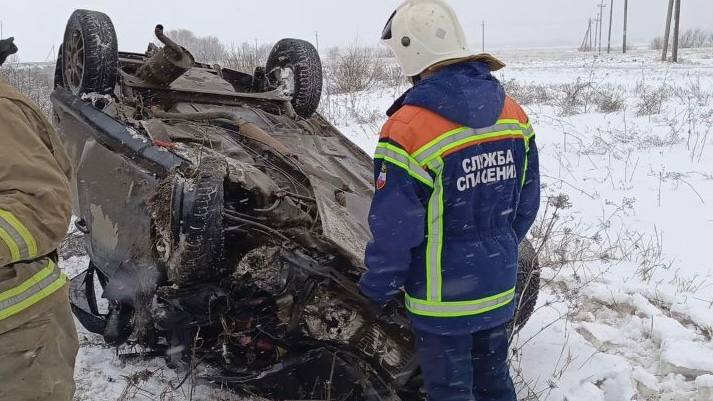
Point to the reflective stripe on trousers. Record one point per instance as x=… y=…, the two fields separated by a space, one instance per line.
x=17 y=238
x=43 y=284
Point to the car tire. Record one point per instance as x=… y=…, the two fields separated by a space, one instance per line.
x=302 y=59
x=58 y=70
x=90 y=60
x=202 y=250
x=528 y=284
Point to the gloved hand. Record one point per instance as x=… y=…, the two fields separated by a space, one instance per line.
x=7 y=48
x=387 y=313
x=377 y=310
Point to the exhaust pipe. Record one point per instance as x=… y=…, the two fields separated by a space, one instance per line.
x=167 y=64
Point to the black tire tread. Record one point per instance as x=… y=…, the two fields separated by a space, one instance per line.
x=307 y=65
x=101 y=51
x=58 y=70
x=528 y=284
x=203 y=249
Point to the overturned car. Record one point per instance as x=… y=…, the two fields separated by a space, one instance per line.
x=219 y=208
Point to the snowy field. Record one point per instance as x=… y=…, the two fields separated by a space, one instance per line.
x=625 y=232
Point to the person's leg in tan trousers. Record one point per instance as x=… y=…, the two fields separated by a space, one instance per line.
x=37 y=357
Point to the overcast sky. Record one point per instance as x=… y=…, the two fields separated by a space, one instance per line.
x=38 y=24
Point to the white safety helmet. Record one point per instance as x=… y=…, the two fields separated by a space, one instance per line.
x=422 y=33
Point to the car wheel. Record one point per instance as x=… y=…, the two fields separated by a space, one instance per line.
x=90 y=56
x=202 y=236
x=295 y=65
x=528 y=284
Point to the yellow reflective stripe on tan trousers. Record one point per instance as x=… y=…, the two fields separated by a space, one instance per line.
x=32 y=291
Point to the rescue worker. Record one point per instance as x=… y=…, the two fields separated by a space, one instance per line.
x=457 y=189
x=38 y=341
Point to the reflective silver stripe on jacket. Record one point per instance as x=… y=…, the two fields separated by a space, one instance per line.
x=407 y=163
x=437 y=148
x=18 y=241
x=434 y=246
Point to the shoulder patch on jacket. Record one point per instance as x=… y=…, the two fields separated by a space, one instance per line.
x=381 y=180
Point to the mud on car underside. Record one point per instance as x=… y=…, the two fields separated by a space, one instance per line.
x=219 y=209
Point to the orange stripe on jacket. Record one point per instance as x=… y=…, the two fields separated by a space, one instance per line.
x=412 y=127
x=513 y=111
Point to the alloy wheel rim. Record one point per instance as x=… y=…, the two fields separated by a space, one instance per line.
x=74 y=61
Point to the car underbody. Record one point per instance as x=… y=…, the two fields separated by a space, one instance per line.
x=226 y=220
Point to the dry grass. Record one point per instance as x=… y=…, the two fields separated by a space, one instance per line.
x=35 y=82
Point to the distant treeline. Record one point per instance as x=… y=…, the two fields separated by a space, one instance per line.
x=690 y=39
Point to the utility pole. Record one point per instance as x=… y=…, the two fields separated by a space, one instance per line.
x=676 y=31
x=601 y=20
x=583 y=46
x=668 y=30
x=316 y=40
x=611 y=17
x=596 y=33
x=626 y=19
x=483 y=36
x=586 y=43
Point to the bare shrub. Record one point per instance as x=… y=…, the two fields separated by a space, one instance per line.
x=651 y=99
x=527 y=94
x=693 y=91
x=575 y=97
x=392 y=76
x=580 y=96
x=609 y=98
x=354 y=69
x=695 y=119
x=246 y=56
x=206 y=49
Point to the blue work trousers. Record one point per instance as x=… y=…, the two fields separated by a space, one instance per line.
x=471 y=367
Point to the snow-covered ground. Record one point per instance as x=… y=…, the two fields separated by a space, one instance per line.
x=626 y=311
x=627 y=306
